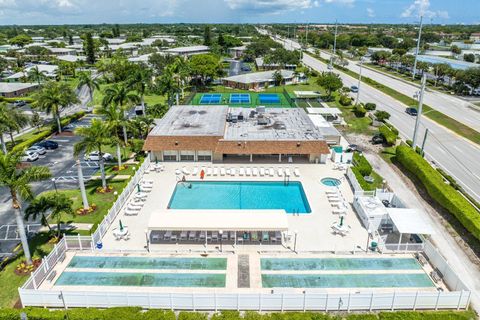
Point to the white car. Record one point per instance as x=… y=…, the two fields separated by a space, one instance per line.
x=29 y=156
x=38 y=149
x=95 y=156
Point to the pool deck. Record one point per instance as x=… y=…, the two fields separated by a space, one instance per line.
x=314 y=233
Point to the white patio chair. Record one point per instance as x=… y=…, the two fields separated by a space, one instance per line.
x=248 y=172
x=225 y=236
x=195 y=171
x=296 y=172
x=130 y=212
x=271 y=172
x=202 y=236
x=339 y=211
x=215 y=171
x=280 y=172
x=183 y=235
x=241 y=172
x=147 y=181
x=233 y=172
x=178 y=172
x=222 y=171
x=262 y=172
x=255 y=172
x=167 y=235
x=287 y=172
x=214 y=236
x=185 y=171
x=192 y=235
x=133 y=207
x=209 y=171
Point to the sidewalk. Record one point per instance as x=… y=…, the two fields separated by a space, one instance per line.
x=452 y=251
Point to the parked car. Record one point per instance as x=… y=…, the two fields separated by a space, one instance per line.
x=353 y=147
x=246 y=68
x=378 y=139
x=47 y=144
x=354 y=89
x=412 y=111
x=38 y=149
x=29 y=156
x=95 y=156
x=19 y=103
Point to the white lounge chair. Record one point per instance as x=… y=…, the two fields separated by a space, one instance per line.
x=215 y=171
x=271 y=172
x=136 y=204
x=183 y=235
x=185 y=171
x=195 y=171
x=140 y=196
x=222 y=171
x=129 y=212
x=133 y=208
x=233 y=171
x=339 y=211
x=287 y=172
x=209 y=171
x=255 y=172
x=296 y=172
x=147 y=181
x=280 y=172
x=332 y=199
x=332 y=191
x=178 y=171
x=248 y=172
x=241 y=171
x=262 y=172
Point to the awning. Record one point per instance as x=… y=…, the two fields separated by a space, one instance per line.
x=216 y=220
x=409 y=221
x=328 y=111
x=307 y=94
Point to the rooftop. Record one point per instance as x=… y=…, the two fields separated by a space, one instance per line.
x=192 y=121
x=6 y=87
x=256 y=77
x=273 y=124
x=187 y=49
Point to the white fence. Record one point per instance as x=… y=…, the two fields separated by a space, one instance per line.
x=115 y=209
x=281 y=301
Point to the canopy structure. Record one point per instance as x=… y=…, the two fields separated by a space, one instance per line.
x=215 y=220
x=409 y=221
x=307 y=94
x=326 y=111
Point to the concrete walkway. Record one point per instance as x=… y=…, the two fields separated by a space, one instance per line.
x=454 y=252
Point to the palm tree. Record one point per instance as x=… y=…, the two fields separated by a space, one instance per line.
x=36 y=75
x=17 y=181
x=86 y=79
x=11 y=120
x=94 y=138
x=120 y=96
x=140 y=81
x=181 y=72
x=57 y=204
x=54 y=97
x=167 y=85
x=116 y=120
x=4 y=125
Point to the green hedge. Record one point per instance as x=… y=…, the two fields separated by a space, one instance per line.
x=44 y=134
x=362 y=164
x=133 y=313
x=442 y=193
x=389 y=135
x=12 y=100
x=370 y=106
x=345 y=100
x=359 y=111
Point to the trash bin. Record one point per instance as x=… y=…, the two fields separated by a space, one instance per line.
x=373 y=246
x=99 y=245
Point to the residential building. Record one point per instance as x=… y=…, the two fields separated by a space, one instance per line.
x=188 y=51
x=261 y=80
x=261 y=65
x=12 y=90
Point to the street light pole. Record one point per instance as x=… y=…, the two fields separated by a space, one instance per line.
x=334 y=45
x=54 y=185
x=359 y=82
x=419 y=112
x=221 y=238
x=295 y=242
x=418 y=48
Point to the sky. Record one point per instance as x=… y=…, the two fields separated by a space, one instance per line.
x=237 y=11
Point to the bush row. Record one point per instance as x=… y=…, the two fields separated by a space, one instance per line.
x=362 y=164
x=132 y=313
x=444 y=194
x=46 y=133
x=12 y=100
x=390 y=134
x=361 y=180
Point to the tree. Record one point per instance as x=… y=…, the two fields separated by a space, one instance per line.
x=21 y=40
x=54 y=97
x=440 y=71
x=139 y=81
x=455 y=49
x=204 y=66
x=382 y=115
x=86 y=79
x=330 y=82
x=159 y=62
x=221 y=40
x=93 y=139
x=36 y=75
x=207 y=36
x=57 y=204
x=116 y=121
x=166 y=85
x=277 y=78
x=17 y=180
x=380 y=56
x=89 y=48
x=469 y=57
x=35 y=120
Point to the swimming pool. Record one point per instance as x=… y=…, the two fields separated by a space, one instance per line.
x=128 y=279
x=331 y=182
x=241 y=195
x=112 y=262
x=381 y=280
x=339 y=264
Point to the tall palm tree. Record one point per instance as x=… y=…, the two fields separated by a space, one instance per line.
x=17 y=181
x=94 y=138
x=11 y=120
x=86 y=79
x=140 y=81
x=57 y=204
x=4 y=125
x=167 y=85
x=120 y=96
x=181 y=73
x=36 y=75
x=53 y=98
x=116 y=120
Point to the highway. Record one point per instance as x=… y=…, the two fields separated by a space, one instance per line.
x=456 y=155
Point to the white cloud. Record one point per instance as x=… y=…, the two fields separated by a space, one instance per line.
x=370 y=12
x=344 y=2
x=270 y=6
x=422 y=8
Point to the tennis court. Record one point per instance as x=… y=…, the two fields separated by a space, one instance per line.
x=268 y=98
x=239 y=98
x=211 y=98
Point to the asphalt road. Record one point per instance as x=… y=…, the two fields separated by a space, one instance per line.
x=456 y=155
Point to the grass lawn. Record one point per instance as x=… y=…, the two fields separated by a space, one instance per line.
x=26 y=136
x=388 y=154
x=128 y=171
x=150 y=99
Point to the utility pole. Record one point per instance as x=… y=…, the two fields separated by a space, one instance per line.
x=306 y=37
x=359 y=82
x=424 y=140
x=334 y=45
x=418 y=48
x=419 y=112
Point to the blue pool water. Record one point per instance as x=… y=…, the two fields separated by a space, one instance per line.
x=103 y=262
x=390 y=280
x=340 y=264
x=268 y=98
x=241 y=195
x=331 y=182
x=141 y=279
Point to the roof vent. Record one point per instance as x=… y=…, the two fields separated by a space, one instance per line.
x=279 y=125
x=192 y=111
x=260 y=109
x=202 y=112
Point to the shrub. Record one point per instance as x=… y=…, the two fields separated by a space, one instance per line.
x=345 y=100
x=12 y=100
x=382 y=115
x=362 y=164
x=389 y=135
x=370 y=106
x=444 y=194
x=361 y=180
x=359 y=111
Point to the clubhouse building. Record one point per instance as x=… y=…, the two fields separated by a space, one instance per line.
x=219 y=133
